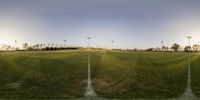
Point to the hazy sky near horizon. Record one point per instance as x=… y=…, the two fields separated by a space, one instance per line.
x=130 y=23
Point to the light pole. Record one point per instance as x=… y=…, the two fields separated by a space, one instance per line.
x=65 y=43
x=89 y=90
x=189 y=37
x=198 y=47
x=162 y=44
x=188 y=91
x=15 y=44
x=112 y=44
x=89 y=38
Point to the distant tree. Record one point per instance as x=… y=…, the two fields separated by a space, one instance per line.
x=164 y=48
x=30 y=48
x=175 y=47
x=8 y=47
x=36 y=47
x=41 y=46
x=187 y=48
x=132 y=50
x=47 y=48
x=25 y=45
x=158 y=49
x=150 y=49
x=51 y=48
x=195 y=47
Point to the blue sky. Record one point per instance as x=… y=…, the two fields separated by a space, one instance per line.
x=130 y=23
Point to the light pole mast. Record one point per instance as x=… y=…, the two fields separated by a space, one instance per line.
x=89 y=90
x=65 y=43
x=15 y=44
x=188 y=92
x=189 y=37
x=198 y=46
x=112 y=44
x=162 y=44
x=89 y=38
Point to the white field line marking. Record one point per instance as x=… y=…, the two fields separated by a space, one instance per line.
x=89 y=90
x=188 y=95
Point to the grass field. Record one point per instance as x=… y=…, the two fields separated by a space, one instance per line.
x=43 y=74
x=63 y=74
x=195 y=75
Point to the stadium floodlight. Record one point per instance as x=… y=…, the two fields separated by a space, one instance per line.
x=162 y=43
x=15 y=44
x=189 y=37
x=198 y=46
x=65 y=43
x=89 y=38
x=112 y=44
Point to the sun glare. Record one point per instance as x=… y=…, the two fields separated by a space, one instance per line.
x=6 y=36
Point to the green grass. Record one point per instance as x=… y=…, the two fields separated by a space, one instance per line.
x=141 y=75
x=195 y=75
x=43 y=74
x=115 y=74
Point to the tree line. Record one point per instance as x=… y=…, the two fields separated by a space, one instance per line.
x=37 y=47
x=176 y=47
x=45 y=47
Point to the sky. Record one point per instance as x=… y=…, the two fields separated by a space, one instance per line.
x=130 y=23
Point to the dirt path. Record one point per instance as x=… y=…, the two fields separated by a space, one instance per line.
x=188 y=95
x=89 y=90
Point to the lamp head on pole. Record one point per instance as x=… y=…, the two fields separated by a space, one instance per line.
x=89 y=41
x=88 y=38
x=189 y=37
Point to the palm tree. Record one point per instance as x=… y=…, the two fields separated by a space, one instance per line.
x=25 y=45
x=175 y=47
